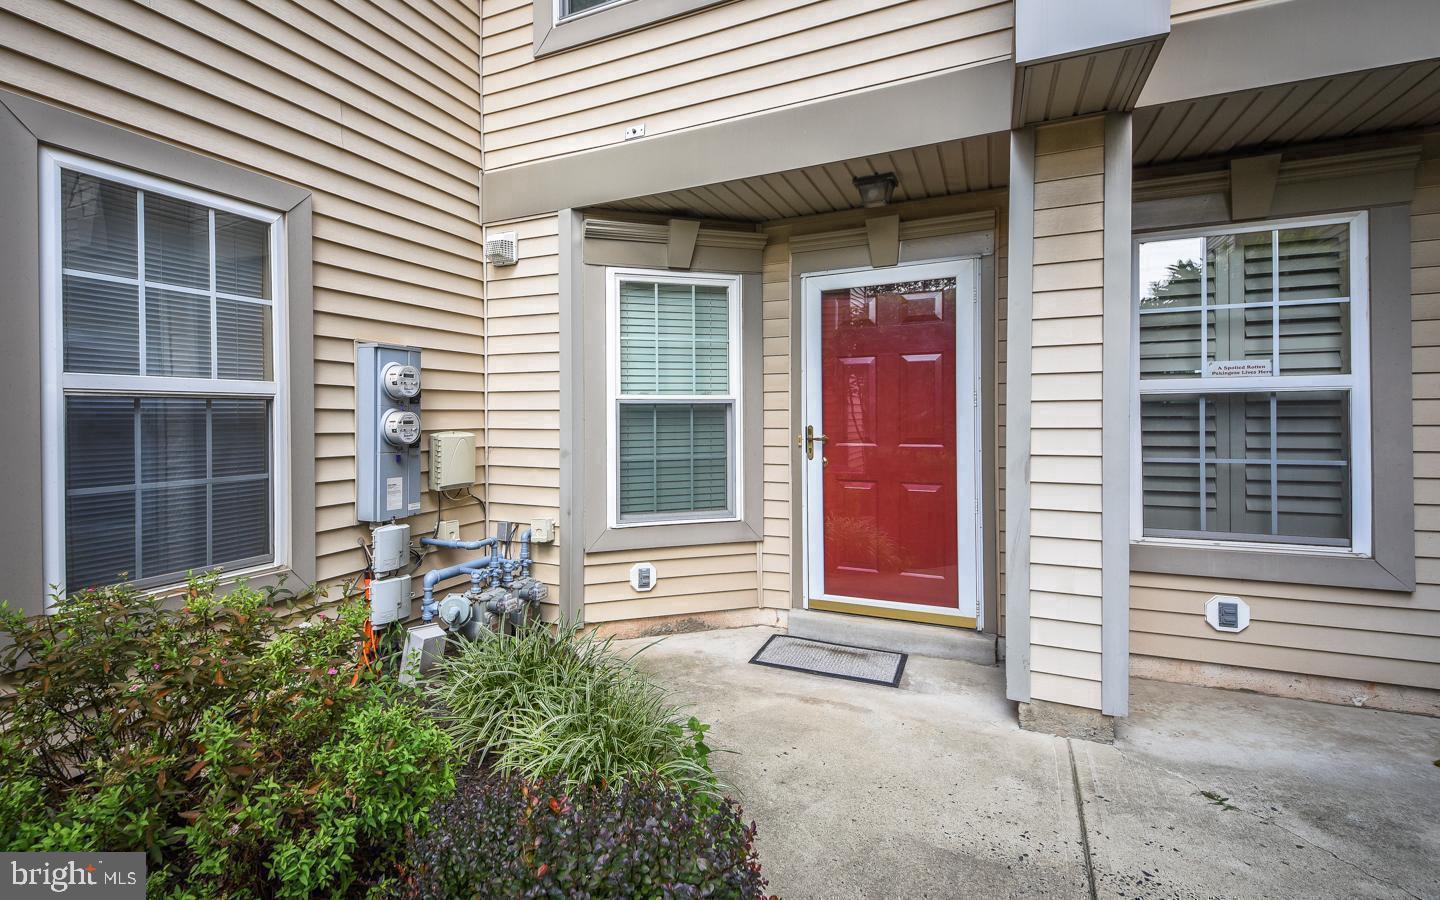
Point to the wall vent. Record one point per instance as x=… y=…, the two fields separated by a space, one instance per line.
x=502 y=249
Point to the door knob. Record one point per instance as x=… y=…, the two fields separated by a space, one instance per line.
x=811 y=439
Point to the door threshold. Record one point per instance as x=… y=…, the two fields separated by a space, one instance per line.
x=886 y=612
x=917 y=639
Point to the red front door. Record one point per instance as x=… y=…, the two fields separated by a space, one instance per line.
x=888 y=410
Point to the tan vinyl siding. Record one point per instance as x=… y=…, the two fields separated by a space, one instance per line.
x=1361 y=635
x=523 y=365
x=778 y=323
x=374 y=108
x=1065 y=414
x=731 y=60
x=689 y=580
x=1184 y=10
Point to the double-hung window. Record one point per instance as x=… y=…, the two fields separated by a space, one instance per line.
x=163 y=329
x=1253 y=383
x=675 y=387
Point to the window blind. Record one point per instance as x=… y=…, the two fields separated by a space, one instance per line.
x=157 y=287
x=162 y=485
x=674 y=338
x=675 y=456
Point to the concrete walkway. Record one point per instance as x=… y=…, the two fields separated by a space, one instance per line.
x=932 y=791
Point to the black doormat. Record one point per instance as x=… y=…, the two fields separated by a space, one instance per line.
x=865 y=664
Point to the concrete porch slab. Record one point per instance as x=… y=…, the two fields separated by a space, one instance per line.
x=887 y=634
x=931 y=790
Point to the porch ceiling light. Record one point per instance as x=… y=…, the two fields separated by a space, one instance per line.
x=876 y=190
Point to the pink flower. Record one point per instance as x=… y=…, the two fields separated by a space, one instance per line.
x=334 y=671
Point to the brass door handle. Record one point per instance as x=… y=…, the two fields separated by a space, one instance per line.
x=811 y=439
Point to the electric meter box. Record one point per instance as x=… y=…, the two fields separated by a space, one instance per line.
x=387 y=430
x=452 y=460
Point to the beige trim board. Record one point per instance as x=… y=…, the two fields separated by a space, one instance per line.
x=887 y=612
x=1392 y=566
x=975 y=230
x=26 y=126
x=1318 y=688
x=607 y=21
x=583 y=313
x=955 y=104
x=1018 y=350
x=684 y=623
x=1277 y=43
x=1115 y=412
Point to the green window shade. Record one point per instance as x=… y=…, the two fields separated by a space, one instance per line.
x=674 y=338
x=674 y=458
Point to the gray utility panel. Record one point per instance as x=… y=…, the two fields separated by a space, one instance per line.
x=387 y=423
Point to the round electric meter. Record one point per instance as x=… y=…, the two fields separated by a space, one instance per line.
x=401 y=428
x=402 y=382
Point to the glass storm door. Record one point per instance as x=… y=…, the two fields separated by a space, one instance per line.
x=893 y=459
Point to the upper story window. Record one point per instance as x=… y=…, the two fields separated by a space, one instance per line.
x=164 y=321
x=674 y=384
x=1253 y=383
x=568 y=8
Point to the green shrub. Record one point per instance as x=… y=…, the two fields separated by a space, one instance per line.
x=241 y=754
x=549 y=705
x=502 y=836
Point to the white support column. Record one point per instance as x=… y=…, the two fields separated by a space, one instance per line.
x=1067 y=563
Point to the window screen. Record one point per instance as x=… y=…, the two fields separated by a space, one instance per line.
x=676 y=406
x=167 y=373
x=1248 y=385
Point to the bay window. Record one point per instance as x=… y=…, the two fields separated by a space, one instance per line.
x=163 y=319
x=674 y=385
x=1253 y=385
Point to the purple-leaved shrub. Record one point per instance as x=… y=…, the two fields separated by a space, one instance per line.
x=505 y=836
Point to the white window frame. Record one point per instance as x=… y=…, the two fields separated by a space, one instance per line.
x=1357 y=382
x=56 y=384
x=613 y=395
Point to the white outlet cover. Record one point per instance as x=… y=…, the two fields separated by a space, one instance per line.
x=635 y=131
x=643 y=576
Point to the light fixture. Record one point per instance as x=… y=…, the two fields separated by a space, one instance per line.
x=876 y=190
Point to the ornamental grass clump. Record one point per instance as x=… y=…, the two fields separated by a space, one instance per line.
x=245 y=756
x=505 y=836
x=553 y=705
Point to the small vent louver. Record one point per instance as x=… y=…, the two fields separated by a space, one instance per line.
x=502 y=248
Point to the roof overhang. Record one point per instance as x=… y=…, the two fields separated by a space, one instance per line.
x=1078 y=59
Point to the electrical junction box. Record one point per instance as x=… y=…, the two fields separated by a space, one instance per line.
x=642 y=576
x=424 y=646
x=389 y=600
x=390 y=548
x=452 y=460
x=1227 y=613
x=542 y=531
x=387 y=432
